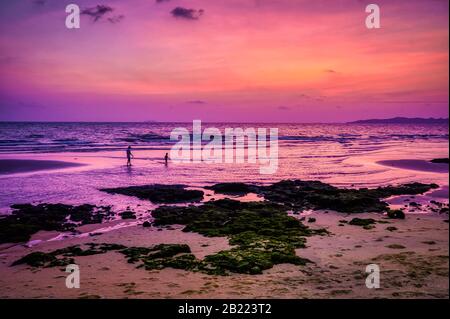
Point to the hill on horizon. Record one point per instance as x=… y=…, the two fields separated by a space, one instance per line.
x=403 y=120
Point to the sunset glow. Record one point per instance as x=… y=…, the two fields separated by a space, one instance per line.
x=246 y=60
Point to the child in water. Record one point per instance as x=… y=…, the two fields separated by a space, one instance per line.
x=129 y=156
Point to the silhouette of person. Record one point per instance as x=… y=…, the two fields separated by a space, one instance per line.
x=129 y=156
x=166 y=158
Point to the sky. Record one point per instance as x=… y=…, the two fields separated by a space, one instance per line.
x=223 y=61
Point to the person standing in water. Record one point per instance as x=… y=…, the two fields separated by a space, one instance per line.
x=129 y=156
x=166 y=158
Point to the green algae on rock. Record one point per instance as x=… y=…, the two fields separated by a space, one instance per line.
x=233 y=188
x=127 y=215
x=228 y=217
x=26 y=219
x=176 y=256
x=365 y=223
x=263 y=231
x=158 y=194
x=396 y=214
x=63 y=257
x=301 y=195
x=40 y=259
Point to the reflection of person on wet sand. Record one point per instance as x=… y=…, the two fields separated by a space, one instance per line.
x=166 y=158
x=129 y=156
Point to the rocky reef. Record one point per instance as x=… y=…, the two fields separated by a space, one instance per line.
x=440 y=161
x=27 y=219
x=262 y=234
x=159 y=194
x=262 y=231
x=64 y=256
x=300 y=195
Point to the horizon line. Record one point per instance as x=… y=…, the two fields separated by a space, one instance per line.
x=225 y=122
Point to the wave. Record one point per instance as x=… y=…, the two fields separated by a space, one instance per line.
x=94 y=137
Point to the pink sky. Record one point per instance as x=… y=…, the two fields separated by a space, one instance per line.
x=241 y=60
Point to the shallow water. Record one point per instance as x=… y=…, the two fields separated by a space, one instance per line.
x=341 y=154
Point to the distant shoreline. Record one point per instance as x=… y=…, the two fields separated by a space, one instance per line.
x=397 y=120
x=403 y=120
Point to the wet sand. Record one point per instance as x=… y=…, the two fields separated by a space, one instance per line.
x=14 y=166
x=413 y=261
x=416 y=165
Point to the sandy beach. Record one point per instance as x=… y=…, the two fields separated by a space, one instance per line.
x=412 y=254
x=418 y=269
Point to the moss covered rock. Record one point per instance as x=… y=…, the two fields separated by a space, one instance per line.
x=301 y=195
x=233 y=188
x=64 y=256
x=27 y=219
x=396 y=214
x=157 y=193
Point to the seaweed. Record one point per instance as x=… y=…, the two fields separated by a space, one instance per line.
x=40 y=259
x=396 y=214
x=365 y=223
x=127 y=215
x=158 y=194
x=264 y=233
x=176 y=256
x=26 y=219
x=301 y=195
x=233 y=188
x=64 y=256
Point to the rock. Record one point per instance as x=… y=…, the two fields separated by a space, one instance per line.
x=159 y=193
x=263 y=231
x=396 y=214
x=440 y=160
x=127 y=215
x=27 y=219
x=38 y=259
x=320 y=196
x=63 y=257
x=147 y=224
x=311 y=220
x=362 y=222
x=396 y=246
x=233 y=188
x=176 y=256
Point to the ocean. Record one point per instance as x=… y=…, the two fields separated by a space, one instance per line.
x=346 y=155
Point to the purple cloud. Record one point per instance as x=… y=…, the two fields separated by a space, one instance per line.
x=189 y=14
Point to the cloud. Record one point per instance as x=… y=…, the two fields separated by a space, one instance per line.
x=284 y=108
x=330 y=71
x=116 y=19
x=161 y=1
x=97 y=12
x=196 y=102
x=100 y=10
x=302 y=96
x=189 y=14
